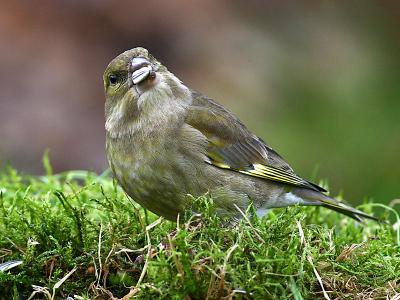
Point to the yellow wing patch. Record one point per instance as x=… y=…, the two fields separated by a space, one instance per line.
x=271 y=173
x=220 y=165
x=267 y=172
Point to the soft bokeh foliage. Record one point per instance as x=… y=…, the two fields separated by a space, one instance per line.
x=318 y=81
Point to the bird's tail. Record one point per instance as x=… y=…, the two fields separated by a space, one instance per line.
x=317 y=198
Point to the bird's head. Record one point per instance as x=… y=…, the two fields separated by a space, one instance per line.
x=137 y=85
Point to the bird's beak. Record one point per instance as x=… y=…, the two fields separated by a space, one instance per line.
x=141 y=69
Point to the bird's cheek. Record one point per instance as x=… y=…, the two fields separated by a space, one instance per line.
x=132 y=94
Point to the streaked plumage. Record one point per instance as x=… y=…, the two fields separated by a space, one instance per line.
x=165 y=141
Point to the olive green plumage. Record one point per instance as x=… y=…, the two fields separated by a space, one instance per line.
x=165 y=142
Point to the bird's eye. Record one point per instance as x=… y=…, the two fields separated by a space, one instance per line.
x=113 y=78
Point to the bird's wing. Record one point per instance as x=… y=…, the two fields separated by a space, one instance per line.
x=232 y=146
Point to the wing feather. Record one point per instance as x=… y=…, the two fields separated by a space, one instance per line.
x=232 y=146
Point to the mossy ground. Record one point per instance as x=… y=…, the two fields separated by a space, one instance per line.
x=79 y=236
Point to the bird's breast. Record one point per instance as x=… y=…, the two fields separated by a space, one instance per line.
x=148 y=171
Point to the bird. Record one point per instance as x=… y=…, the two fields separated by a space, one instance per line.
x=167 y=143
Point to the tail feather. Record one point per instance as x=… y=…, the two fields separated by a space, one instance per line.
x=317 y=198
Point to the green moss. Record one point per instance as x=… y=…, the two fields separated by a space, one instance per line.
x=81 y=222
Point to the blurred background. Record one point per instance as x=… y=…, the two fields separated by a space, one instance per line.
x=317 y=80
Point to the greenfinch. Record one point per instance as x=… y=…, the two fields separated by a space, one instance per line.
x=166 y=143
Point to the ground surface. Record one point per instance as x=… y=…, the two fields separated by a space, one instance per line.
x=78 y=235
